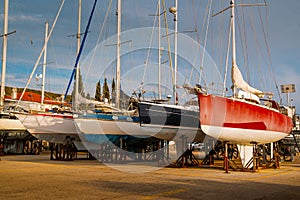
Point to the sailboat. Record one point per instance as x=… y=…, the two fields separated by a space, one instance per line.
x=181 y=119
x=110 y=124
x=47 y=122
x=8 y=121
x=245 y=118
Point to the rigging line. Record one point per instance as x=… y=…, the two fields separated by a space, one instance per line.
x=98 y=39
x=216 y=41
x=198 y=38
x=168 y=42
x=80 y=50
x=107 y=33
x=195 y=20
x=258 y=48
x=205 y=39
x=198 y=41
x=41 y=53
x=270 y=65
x=225 y=20
x=49 y=83
x=149 y=48
x=244 y=43
x=205 y=29
x=227 y=59
x=259 y=55
x=205 y=19
x=262 y=57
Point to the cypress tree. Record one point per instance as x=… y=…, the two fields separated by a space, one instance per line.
x=106 y=90
x=113 y=90
x=80 y=85
x=98 y=91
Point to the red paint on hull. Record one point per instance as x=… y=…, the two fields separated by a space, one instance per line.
x=56 y=115
x=248 y=125
x=226 y=112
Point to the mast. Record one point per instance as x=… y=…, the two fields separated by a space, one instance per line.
x=174 y=10
x=159 y=52
x=233 y=41
x=175 y=53
x=44 y=64
x=118 y=76
x=4 y=51
x=41 y=53
x=76 y=89
x=80 y=49
x=236 y=75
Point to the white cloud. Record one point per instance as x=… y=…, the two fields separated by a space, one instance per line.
x=23 y=18
x=27 y=18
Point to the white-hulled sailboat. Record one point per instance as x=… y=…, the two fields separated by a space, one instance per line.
x=52 y=123
x=109 y=123
x=8 y=121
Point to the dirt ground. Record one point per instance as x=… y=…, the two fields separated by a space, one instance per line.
x=36 y=177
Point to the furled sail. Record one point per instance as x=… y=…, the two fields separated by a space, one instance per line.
x=105 y=106
x=239 y=82
x=82 y=100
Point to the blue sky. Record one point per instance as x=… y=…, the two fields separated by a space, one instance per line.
x=28 y=17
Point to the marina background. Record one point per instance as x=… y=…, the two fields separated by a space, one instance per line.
x=28 y=17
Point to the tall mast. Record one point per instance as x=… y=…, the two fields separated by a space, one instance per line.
x=233 y=39
x=41 y=53
x=44 y=64
x=76 y=89
x=159 y=52
x=118 y=76
x=236 y=76
x=4 y=51
x=175 y=52
x=174 y=11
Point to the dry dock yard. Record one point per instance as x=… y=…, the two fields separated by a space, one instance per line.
x=37 y=177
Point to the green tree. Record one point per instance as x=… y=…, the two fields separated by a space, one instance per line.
x=80 y=85
x=113 y=90
x=98 y=91
x=106 y=90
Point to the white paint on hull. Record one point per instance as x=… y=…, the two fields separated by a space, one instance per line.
x=11 y=125
x=106 y=127
x=242 y=136
x=39 y=124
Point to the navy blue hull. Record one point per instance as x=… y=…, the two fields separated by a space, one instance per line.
x=165 y=115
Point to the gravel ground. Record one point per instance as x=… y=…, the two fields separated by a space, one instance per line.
x=36 y=177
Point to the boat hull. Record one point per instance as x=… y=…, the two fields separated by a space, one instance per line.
x=241 y=122
x=119 y=128
x=167 y=115
x=183 y=121
x=10 y=123
x=49 y=126
x=98 y=127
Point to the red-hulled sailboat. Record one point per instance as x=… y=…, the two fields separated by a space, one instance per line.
x=242 y=121
x=244 y=118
